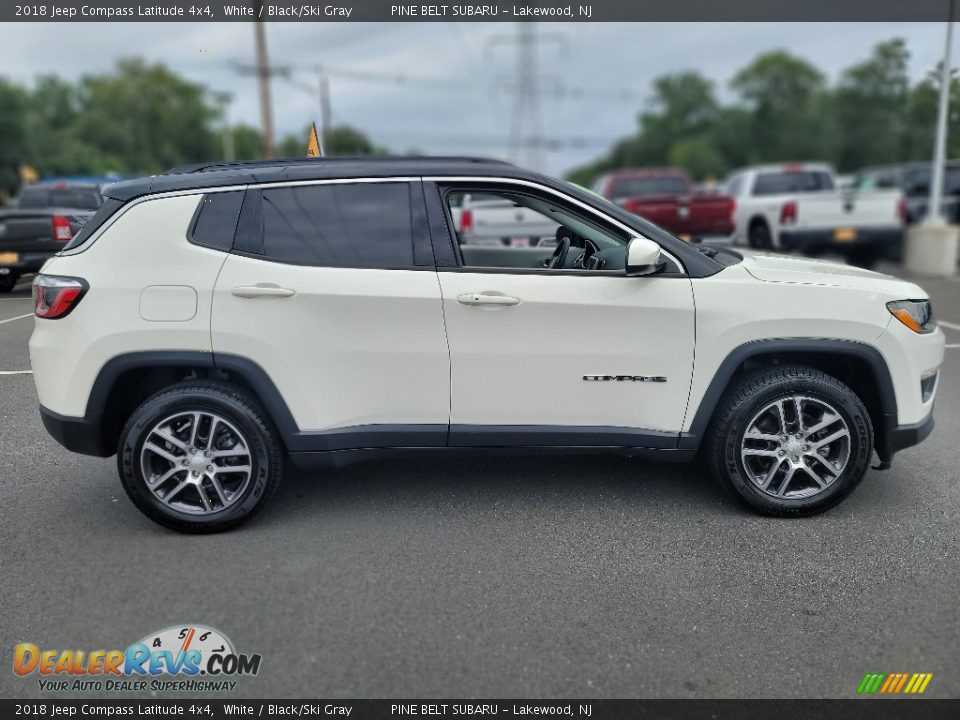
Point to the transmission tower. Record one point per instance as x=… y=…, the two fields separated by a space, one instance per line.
x=526 y=140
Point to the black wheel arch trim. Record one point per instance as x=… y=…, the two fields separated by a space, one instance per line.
x=850 y=348
x=86 y=434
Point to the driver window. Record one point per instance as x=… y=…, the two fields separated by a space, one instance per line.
x=503 y=230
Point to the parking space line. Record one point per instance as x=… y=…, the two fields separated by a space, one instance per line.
x=16 y=372
x=18 y=317
x=952 y=326
x=953 y=346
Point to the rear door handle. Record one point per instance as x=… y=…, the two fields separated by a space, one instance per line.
x=262 y=290
x=484 y=299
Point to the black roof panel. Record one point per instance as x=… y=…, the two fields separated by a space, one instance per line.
x=204 y=175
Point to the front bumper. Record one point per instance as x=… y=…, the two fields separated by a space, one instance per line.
x=824 y=239
x=895 y=438
x=904 y=436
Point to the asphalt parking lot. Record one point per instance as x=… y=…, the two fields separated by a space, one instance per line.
x=534 y=577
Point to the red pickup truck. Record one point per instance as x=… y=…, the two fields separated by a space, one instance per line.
x=667 y=197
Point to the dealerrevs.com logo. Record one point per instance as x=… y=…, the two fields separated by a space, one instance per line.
x=187 y=658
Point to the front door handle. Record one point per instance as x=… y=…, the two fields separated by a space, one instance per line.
x=484 y=299
x=262 y=290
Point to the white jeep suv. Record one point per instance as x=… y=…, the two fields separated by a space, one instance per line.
x=208 y=324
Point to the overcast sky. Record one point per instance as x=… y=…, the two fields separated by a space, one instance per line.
x=459 y=102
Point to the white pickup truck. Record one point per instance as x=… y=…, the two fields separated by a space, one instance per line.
x=493 y=221
x=798 y=206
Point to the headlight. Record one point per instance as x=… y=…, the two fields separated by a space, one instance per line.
x=915 y=314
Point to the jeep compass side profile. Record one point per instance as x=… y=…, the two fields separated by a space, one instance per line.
x=210 y=324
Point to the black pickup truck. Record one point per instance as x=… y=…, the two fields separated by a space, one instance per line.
x=41 y=221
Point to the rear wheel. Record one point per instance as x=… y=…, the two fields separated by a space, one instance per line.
x=7 y=283
x=864 y=257
x=759 y=235
x=199 y=457
x=790 y=440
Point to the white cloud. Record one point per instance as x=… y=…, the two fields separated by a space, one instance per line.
x=464 y=112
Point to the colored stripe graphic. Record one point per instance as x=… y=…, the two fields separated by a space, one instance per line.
x=894 y=683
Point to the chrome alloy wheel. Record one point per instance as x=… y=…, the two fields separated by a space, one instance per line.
x=795 y=447
x=196 y=462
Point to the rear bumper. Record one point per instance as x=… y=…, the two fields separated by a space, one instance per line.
x=823 y=239
x=78 y=434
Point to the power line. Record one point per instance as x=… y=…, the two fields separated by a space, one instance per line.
x=556 y=90
x=525 y=118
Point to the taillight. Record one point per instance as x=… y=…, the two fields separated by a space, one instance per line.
x=466 y=220
x=62 y=232
x=55 y=296
x=902 y=209
x=788 y=212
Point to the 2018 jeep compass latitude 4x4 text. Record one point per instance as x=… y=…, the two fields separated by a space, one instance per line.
x=212 y=323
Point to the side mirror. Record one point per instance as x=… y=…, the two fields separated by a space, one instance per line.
x=643 y=257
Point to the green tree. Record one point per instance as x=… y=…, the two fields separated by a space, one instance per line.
x=247 y=142
x=922 y=105
x=13 y=112
x=677 y=128
x=347 y=140
x=144 y=118
x=871 y=106
x=339 y=140
x=787 y=99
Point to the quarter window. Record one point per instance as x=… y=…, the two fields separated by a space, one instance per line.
x=217 y=219
x=359 y=225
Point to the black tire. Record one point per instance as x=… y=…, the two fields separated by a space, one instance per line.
x=8 y=283
x=865 y=257
x=232 y=404
x=748 y=396
x=759 y=236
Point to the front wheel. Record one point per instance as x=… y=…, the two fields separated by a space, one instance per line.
x=790 y=441
x=199 y=457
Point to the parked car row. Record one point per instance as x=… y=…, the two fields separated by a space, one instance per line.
x=798 y=206
x=39 y=223
x=668 y=198
x=913 y=180
x=791 y=206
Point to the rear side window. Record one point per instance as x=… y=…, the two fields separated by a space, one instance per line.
x=216 y=220
x=780 y=183
x=106 y=211
x=639 y=186
x=75 y=199
x=735 y=185
x=358 y=225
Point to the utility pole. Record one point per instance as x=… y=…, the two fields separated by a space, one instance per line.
x=325 y=115
x=934 y=211
x=932 y=246
x=223 y=100
x=526 y=103
x=263 y=79
x=526 y=132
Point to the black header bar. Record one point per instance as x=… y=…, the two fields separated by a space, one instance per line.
x=200 y=707
x=535 y=11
